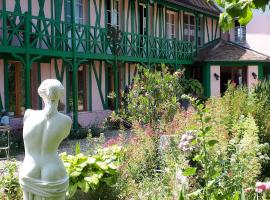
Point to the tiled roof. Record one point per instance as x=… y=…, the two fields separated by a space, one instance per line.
x=228 y=51
x=200 y=5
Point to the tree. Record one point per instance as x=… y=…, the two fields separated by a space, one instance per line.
x=241 y=9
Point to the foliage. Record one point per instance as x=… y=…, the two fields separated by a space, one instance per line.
x=9 y=183
x=79 y=133
x=147 y=172
x=238 y=9
x=191 y=87
x=223 y=172
x=91 y=172
x=153 y=98
x=262 y=114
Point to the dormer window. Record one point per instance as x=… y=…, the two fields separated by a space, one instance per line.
x=239 y=32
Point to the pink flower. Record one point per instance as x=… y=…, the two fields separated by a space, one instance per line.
x=248 y=190
x=261 y=187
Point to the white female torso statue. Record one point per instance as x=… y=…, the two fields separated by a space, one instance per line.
x=43 y=175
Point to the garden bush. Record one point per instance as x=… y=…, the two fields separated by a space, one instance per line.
x=90 y=173
x=153 y=98
x=9 y=182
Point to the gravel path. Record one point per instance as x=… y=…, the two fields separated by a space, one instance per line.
x=66 y=146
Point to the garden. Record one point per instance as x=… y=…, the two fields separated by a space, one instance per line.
x=173 y=144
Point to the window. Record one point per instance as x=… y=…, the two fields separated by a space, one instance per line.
x=200 y=32
x=239 y=32
x=78 y=11
x=189 y=27
x=142 y=21
x=113 y=12
x=170 y=22
x=82 y=88
x=16 y=84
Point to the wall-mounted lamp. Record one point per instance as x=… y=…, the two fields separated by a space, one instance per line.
x=216 y=76
x=254 y=75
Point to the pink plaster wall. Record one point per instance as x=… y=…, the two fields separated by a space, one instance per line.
x=2 y=82
x=87 y=119
x=209 y=22
x=258 y=33
x=10 y=4
x=96 y=100
x=215 y=84
x=48 y=72
x=93 y=17
x=251 y=82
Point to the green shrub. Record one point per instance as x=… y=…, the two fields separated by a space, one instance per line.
x=9 y=183
x=225 y=157
x=92 y=172
x=261 y=114
x=153 y=98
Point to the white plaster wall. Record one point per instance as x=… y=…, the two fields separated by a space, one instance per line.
x=2 y=86
x=215 y=84
x=96 y=100
x=251 y=82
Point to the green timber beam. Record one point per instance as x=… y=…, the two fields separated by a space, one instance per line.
x=74 y=70
x=75 y=94
x=106 y=85
x=116 y=86
x=6 y=86
x=17 y=7
x=236 y=63
x=90 y=88
x=260 y=71
x=39 y=82
x=179 y=7
x=68 y=68
x=1 y=103
x=147 y=29
x=196 y=33
x=27 y=63
x=203 y=30
x=207 y=80
x=59 y=75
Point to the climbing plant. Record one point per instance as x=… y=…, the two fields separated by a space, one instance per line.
x=241 y=9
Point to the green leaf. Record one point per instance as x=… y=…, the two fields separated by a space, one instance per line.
x=197 y=158
x=78 y=148
x=83 y=185
x=91 y=160
x=243 y=195
x=72 y=189
x=212 y=142
x=236 y=196
x=234 y=9
x=92 y=180
x=190 y=171
x=246 y=16
x=182 y=195
x=110 y=181
x=75 y=174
